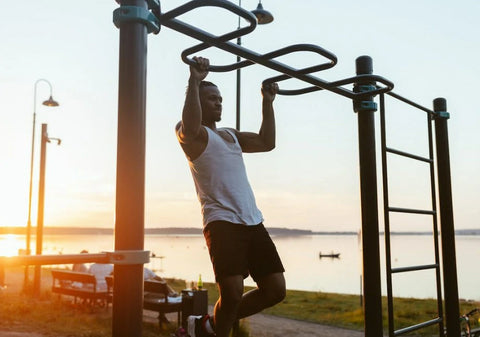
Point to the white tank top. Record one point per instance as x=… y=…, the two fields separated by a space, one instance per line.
x=221 y=182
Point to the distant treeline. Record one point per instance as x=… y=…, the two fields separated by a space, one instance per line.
x=197 y=231
x=148 y=231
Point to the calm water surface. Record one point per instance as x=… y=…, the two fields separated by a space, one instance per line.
x=187 y=256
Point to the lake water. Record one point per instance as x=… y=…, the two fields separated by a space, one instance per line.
x=186 y=256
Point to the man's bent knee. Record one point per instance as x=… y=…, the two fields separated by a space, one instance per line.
x=274 y=288
x=276 y=295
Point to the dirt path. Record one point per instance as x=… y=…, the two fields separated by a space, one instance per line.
x=261 y=325
x=272 y=326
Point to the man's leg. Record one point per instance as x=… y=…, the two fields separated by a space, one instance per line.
x=266 y=268
x=233 y=304
x=226 y=308
x=270 y=291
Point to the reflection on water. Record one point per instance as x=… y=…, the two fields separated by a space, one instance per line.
x=10 y=244
x=186 y=256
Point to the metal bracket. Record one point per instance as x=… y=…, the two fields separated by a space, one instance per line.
x=127 y=257
x=138 y=14
x=441 y=114
x=364 y=105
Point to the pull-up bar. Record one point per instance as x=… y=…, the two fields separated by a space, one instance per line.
x=170 y=20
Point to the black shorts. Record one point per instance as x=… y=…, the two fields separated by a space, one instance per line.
x=241 y=250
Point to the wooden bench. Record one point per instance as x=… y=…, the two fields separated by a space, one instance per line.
x=155 y=298
x=82 y=285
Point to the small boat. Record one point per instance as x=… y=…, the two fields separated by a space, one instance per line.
x=331 y=255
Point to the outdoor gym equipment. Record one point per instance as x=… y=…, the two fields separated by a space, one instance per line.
x=135 y=19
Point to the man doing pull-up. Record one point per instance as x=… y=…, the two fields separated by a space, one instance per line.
x=238 y=243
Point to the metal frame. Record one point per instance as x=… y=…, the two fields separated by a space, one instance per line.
x=452 y=310
x=131 y=121
x=221 y=42
x=116 y=257
x=131 y=147
x=129 y=225
x=389 y=209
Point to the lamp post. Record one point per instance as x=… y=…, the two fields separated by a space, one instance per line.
x=51 y=103
x=41 y=205
x=263 y=17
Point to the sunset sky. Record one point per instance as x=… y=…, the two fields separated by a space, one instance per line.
x=428 y=48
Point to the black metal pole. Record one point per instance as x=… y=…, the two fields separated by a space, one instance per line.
x=365 y=109
x=129 y=210
x=452 y=311
x=239 y=79
x=238 y=101
x=40 y=213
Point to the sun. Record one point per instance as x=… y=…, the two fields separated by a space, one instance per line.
x=10 y=244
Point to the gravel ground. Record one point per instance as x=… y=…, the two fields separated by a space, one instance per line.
x=272 y=326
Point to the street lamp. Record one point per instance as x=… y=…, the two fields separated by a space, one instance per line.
x=41 y=205
x=263 y=17
x=51 y=103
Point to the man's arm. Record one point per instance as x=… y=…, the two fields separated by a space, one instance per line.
x=189 y=128
x=265 y=139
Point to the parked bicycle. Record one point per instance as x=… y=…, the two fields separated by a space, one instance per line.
x=467 y=330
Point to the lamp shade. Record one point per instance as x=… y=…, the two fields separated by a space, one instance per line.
x=50 y=102
x=263 y=16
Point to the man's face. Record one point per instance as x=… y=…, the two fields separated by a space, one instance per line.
x=211 y=102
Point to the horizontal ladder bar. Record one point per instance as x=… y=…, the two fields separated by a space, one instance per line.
x=409 y=155
x=411 y=210
x=418 y=326
x=405 y=100
x=414 y=268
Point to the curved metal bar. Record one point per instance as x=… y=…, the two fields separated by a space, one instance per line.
x=189 y=6
x=235 y=49
x=168 y=19
x=226 y=37
x=247 y=15
x=356 y=79
x=316 y=68
x=276 y=53
x=213 y=68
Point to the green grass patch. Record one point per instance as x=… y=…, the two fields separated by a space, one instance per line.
x=346 y=311
x=54 y=317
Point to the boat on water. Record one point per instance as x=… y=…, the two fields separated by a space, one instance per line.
x=331 y=255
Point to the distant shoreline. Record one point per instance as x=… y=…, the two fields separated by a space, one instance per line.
x=275 y=231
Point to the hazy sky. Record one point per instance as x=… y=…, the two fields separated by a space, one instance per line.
x=428 y=48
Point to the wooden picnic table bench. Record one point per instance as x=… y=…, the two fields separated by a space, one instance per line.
x=155 y=298
x=81 y=285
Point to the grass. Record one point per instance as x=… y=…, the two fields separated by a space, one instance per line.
x=55 y=317
x=345 y=311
